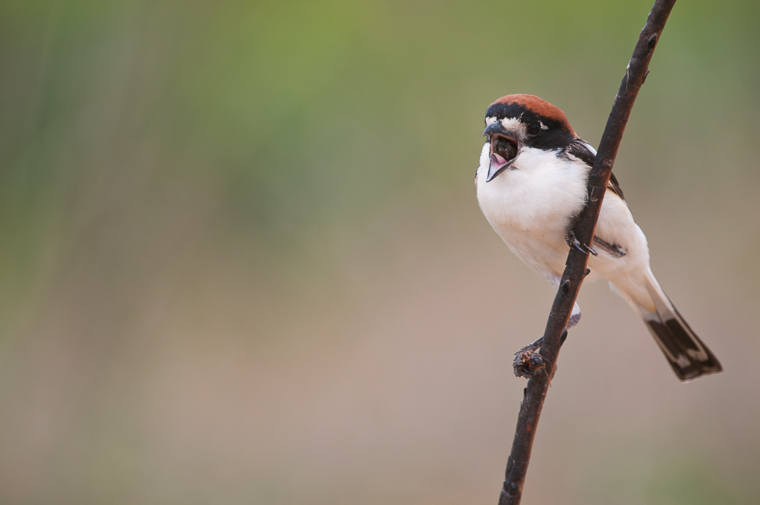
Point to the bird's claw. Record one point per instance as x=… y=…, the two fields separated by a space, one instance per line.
x=574 y=243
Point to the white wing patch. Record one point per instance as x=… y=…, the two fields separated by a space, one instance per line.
x=588 y=146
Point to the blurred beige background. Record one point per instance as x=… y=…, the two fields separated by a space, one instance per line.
x=242 y=260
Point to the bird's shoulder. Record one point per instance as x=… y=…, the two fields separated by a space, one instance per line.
x=581 y=150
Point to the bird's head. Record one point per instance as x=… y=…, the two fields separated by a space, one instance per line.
x=517 y=121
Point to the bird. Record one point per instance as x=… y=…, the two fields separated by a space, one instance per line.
x=531 y=186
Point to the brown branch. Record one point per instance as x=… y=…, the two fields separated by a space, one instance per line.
x=577 y=262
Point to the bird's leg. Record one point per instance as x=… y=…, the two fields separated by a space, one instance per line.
x=575 y=316
x=574 y=243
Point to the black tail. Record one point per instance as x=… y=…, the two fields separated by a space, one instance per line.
x=689 y=357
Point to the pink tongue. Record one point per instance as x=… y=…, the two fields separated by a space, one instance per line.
x=497 y=160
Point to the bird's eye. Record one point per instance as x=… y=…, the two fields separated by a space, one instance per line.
x=534 y=128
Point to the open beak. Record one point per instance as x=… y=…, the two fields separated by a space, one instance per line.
x=504 y=148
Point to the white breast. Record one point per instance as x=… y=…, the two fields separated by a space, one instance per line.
x=531 y=204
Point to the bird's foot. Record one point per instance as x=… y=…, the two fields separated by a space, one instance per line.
x=574 y=319
x=574 y=243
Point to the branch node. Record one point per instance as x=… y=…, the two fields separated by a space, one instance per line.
x=528 y=362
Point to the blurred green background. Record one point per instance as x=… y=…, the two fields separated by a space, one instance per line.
x=242 y=259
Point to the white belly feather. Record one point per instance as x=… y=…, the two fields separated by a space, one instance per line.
x=531 y=205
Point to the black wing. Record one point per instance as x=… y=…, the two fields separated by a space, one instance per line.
x=580 y=149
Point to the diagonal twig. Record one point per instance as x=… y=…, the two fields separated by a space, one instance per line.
x=577 y=262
